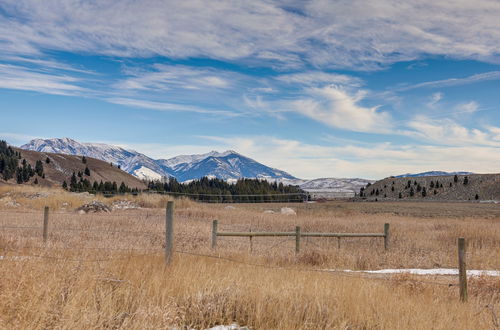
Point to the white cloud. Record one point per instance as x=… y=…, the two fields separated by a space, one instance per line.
x=448 y=132
x=164 y=106
x=335 y=107
x=21 y=78
x=485 y=76
x=435 y=98
x=468 y=107
x=354 y=34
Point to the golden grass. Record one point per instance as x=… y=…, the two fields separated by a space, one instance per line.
x=130 y=287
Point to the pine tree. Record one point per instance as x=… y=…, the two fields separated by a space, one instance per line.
x=424 y=192
x=455 y=178
x=84 y=160
x=412 y=192
x=87 y=171
x=65 y=185
x=36 y=181
x=466 y=180
x=476 y=197
x=47 y=160
x=39 y=167
x=400 y=195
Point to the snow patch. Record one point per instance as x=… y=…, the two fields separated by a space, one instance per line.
x=420 y=271
x=145 y=173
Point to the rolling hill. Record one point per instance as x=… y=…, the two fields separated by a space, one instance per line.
x=61 y=167
x=481 y=187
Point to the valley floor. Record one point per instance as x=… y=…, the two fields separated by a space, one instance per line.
x=107 y=270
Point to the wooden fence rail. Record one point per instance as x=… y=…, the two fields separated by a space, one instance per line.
x=297 y=234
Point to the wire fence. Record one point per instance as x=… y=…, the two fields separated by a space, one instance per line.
x=144 y=252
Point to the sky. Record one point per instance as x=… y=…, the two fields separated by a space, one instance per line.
x=316 y=88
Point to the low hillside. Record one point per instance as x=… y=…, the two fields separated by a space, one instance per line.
x=481 y=187
x=58 y=168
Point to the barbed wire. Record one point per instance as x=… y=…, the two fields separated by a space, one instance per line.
x=85 y=230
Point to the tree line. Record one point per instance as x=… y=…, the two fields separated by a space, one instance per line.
x=218 y=190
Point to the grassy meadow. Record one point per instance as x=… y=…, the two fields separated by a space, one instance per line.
x=107 y=270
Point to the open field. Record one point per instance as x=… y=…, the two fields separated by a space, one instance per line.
x=107 y=270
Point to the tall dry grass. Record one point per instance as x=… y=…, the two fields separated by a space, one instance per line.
x=107 y=270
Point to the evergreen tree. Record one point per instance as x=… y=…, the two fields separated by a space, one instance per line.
x=65 y=185
x=36 y=181
x=455 y=178
x=84 y=160
x=466 y=180
x=476 y=197
x=39 y=167
x=412 y=192
x=432 y=184
x=424 y=192
x=47 y=160
x=400 y=195
x=87 y=171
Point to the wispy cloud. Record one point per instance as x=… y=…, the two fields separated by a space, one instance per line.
x=22 y=78
x=486 y=76
x=163 y=106
x=335 y=107
x=316 y=33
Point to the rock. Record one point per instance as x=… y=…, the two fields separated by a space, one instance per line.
x=124 y=205
x=288 y=211
x=93 y=207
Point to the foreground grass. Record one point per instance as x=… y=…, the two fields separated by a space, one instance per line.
x=141 y=293
x=107 y=270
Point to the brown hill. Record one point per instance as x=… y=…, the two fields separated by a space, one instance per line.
x=442 y=188
x=61 y=167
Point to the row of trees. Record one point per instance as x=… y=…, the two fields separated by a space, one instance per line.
x=84 y=185
x=9 y=160
x=414 y=188
x=218 y=190
x=9 y=165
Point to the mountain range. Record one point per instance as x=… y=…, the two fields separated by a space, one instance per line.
x=228 y=165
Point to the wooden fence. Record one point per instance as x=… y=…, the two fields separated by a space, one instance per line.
x=298 y=234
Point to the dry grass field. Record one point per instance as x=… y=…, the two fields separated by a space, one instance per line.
x=107 y=270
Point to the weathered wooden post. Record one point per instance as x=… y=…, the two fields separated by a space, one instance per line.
x=251 y=242
x=169 y=232
x=214 y=234
x=462 y=271
x=386 y=236
x=297 y=239
x=45 y=223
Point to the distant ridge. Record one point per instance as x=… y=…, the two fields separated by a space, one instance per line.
x=431 y=173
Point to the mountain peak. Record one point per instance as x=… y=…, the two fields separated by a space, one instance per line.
x=183 y=167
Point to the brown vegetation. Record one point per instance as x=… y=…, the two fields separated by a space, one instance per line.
x=107 y=270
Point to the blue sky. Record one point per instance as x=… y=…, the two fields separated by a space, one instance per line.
x=316 y=88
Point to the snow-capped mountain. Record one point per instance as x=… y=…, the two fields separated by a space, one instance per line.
x=329 y=187
x=228 y=165
x=431 y=173
x=130 y=161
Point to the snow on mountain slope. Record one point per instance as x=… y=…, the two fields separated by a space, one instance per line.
x=145 y=173
x=224 y=165
x=129 y=160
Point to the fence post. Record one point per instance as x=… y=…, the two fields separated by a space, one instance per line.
x=251 y=242
x=386 y=236
x=214 y=234
x=169 y=232
x=338 y=242
x=45 y=223
x=462 y=271
x=297 y=239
